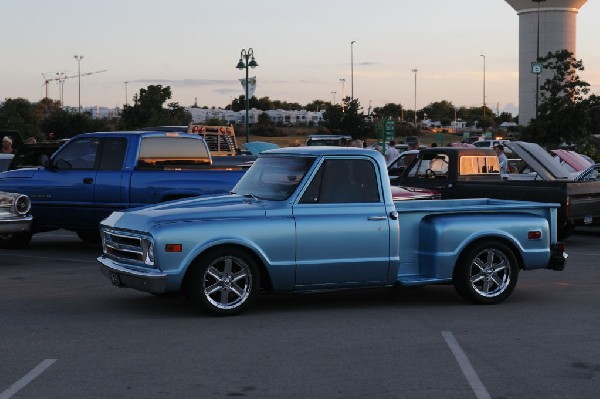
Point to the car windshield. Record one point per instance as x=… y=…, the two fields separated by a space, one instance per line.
x=273 y=177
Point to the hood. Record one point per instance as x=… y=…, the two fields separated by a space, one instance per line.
x=573 y=159
x=226 y=206
x=18 y=173
x=539 y=160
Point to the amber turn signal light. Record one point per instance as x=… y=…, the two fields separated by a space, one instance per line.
x=173 y=247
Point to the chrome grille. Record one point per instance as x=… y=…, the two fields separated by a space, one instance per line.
x=122 y=246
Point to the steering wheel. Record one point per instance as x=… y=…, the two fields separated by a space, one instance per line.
x=430 y=174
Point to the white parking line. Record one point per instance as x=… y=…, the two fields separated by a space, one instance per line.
x=465 y=365
x=32 y=375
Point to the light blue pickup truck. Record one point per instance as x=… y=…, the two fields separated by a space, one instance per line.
x=316 y=218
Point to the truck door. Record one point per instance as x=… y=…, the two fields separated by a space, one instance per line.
x=342 y=230
x=68 y=185
x=112 y=181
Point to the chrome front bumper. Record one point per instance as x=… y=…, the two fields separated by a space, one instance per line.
x=154 y=282
x=11 y=226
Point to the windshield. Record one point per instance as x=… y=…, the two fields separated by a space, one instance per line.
x=273 y=178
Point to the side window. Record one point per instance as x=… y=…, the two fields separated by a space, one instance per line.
x=113 y=154
x=343 y=181
x=430 y=165
x=78 y=154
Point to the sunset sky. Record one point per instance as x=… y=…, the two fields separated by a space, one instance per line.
x=303 y=50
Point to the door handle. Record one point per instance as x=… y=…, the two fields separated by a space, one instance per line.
x=88 y=180
x=377 y=217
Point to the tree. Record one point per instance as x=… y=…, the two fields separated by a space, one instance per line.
x=349 y=121
x=18 y=114
x=389 y=110
x=562 y=113
x=148 y=109
x=440 y=110
x=317 y=105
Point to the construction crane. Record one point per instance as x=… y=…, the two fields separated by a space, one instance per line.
x=61 y=78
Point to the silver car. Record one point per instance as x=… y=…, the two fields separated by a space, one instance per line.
x=14 y=214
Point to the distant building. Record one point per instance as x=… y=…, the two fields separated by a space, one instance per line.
x=277 y=116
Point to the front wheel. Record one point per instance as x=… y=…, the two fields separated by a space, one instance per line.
x=486 y=273
x=225 y=281
x=15 y=240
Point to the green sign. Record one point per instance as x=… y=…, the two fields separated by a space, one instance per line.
x=390 y=132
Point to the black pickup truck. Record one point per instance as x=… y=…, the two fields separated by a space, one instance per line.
x=460 y=172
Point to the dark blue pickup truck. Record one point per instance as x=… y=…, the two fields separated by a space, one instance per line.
x=94 y=174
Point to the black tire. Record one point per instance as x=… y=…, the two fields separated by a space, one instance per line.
x=225 y=281
x=15 y=240
x=486 y=273
x=89 y=236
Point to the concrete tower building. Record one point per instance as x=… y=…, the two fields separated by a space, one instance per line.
x=557 y=21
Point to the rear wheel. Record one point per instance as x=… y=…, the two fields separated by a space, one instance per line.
x=15 y=240
x=486 y=273
x=225 y=281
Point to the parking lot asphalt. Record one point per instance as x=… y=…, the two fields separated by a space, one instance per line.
x=66 y=332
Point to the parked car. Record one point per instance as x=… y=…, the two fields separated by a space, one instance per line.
x=14 y=213
x=490 y=143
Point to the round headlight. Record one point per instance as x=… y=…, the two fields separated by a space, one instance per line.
x=22 y=204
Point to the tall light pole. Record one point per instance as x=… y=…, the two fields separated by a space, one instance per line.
x=126 y=97
x=334 y=93
x=61 y=86
x=415 y=72
x=537 y=59
x=481 y=55
x=79 y=58
x=247 y=60
x=343 y=81
x=352 y=69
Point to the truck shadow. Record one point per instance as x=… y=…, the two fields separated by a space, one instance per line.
x=297 y=303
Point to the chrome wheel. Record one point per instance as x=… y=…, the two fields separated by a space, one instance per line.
x=224 y=281
x=486 y=273
x=227 y=282
x=490 y=273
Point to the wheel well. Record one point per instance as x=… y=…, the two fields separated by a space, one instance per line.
x=501 y=240
x=265 y=279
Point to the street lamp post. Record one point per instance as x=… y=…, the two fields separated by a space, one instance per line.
x=79 y=58
x=247 y=60
x=126 y=97
x=343 y=81
x=483 y=85
x=415 y=72
x=334 y=93
x=352 y=69
x=537 y=58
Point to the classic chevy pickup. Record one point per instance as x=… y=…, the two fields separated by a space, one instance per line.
x=314 y=218
x=94 y=174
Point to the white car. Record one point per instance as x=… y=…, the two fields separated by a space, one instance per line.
x=15 y=219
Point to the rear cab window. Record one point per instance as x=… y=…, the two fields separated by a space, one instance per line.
x=172 y=153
